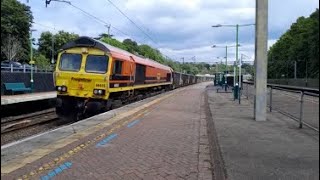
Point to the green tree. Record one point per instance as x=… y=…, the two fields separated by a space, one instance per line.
x=45 y=44
x=301 y=44
x=131 y=46
x=41 y=61
x=113 y=42
x=61 y=38
x=151 y=53
x=174 y=65
x=248 y=68
x=16 y=19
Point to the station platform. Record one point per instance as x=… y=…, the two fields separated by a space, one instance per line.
x=162 y=137
x=13 y=99
x=249 y=149
x=189 y=133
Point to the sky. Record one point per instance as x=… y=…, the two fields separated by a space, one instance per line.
x=178 y=28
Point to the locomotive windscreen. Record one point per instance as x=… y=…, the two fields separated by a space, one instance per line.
x=97 y=64
x=70 y=62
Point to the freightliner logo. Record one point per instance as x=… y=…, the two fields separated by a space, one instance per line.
x=80 y=79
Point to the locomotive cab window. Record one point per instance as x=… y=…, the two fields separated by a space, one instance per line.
x=117 y=68
x=70 y=62
x=97 y=64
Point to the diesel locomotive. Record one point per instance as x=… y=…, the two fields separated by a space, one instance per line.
x=92 y=77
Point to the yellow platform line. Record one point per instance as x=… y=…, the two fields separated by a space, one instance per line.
x=39 y=153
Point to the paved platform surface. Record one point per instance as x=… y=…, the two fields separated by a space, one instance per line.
x=168 y=140
x=12 y=99
x=273 y=149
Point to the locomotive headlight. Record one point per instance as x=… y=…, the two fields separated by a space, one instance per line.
x=99 y=92
x=64 y=89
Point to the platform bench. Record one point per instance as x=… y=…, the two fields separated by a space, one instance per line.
x=16 y=87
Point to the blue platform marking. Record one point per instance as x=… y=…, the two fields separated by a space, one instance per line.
x=106 y=140
x=56 y=171
x=132 y=123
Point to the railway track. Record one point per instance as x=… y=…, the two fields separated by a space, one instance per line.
x=18 y=127
x=15 y=128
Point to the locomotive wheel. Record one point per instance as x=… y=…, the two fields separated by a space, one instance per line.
x=76 y=115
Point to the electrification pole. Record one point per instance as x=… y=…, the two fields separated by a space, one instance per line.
x=234 y=73
x=217 y=64
x=182 y=64
x=295 y=69
x=306 y=73
x=109 y=26
x=240 y=63
x=226 y=61
x=237 y=32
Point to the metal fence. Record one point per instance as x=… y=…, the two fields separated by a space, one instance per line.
x=299 y=104
x=25 y=69
x=312 y=83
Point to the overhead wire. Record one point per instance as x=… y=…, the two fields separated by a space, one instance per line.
x=132 y=21
x=142 y=25
x=98 y=19
x=49 y=27
x=108 y=24
x=140 y=28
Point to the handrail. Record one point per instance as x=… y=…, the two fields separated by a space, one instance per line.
x=284 y=89
x=310 y=91
x=301 y=98
x=23 y=69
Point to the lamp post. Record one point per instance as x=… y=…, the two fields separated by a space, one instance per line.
x=193 y=58
x=237 y=32
x=240 y=63
x=217 y=69
x=32 y=62
x=182 y=69
x=220 y=78
x=240 y=73
x=52 y=48
x=226 y=69
x=234 y=73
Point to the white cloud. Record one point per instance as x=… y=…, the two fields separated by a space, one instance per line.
x=181 y=28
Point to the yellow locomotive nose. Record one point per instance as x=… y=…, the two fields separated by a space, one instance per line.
x=82 y=70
